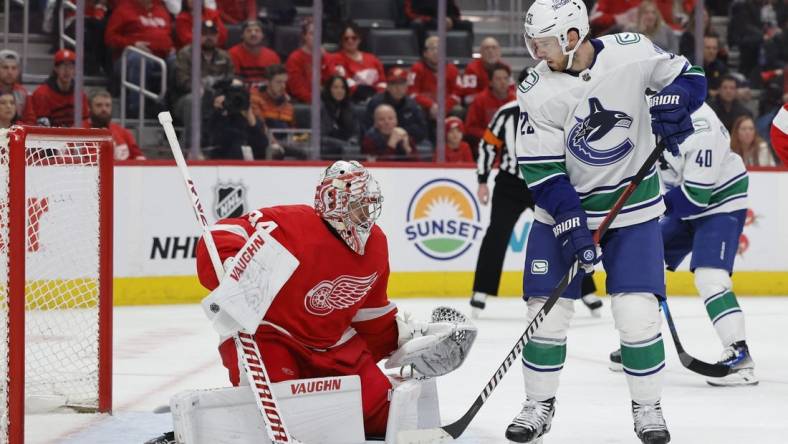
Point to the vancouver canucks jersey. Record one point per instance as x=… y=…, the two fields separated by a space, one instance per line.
x=710 y=175
x=595 y=127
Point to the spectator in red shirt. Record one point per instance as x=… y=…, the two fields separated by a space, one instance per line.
x=8 y=114
x=476 y=78
x=424 y=81
x=53 y=101
x=299 y=66
x=779 y=134
x=147 y=26
x=9 y=83
x=457 y=150
x=236 y=11
x=386 y=140
x=487 y=103
x=100 y=116
x=183 y=25
x=363 y=71
x=250 y=57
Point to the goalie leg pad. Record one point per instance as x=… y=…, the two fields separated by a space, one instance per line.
x=325 y=410
x=638 y=321
x=544 y=355
x=716 y=289
x=414 y=405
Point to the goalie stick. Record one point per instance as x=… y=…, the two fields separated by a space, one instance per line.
x=691 y=363
x=245 y=344
x=454 y=430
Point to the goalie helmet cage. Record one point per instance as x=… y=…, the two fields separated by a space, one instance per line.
x=55 y=272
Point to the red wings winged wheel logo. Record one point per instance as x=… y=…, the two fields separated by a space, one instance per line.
x=337 y=294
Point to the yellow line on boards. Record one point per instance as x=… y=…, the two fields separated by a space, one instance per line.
x=187 y=289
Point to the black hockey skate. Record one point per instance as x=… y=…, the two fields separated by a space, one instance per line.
x=615 y=361
x=532 y=422
x=737 y=356
x=649 y=424
x=167 y=438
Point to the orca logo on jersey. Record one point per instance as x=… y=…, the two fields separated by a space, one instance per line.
x=595 y=128
x=338 y=294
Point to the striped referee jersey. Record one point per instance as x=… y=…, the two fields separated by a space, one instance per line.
x=500 y=136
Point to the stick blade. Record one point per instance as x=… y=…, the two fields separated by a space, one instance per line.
x=704 y=368
x=424 y=436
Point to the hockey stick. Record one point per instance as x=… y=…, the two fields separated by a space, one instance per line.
x=455 y=429
x=693 y=364
x=245 y=344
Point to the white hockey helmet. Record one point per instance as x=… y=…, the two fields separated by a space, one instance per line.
x=555 y=18
x=349 y=199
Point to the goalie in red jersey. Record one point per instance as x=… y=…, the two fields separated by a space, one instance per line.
x=332 y=315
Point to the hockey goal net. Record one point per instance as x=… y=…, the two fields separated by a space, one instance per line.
x=55 y=273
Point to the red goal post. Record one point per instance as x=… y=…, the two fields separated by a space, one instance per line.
x=55 y=273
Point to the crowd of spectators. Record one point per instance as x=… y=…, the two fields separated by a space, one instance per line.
x=250 y=90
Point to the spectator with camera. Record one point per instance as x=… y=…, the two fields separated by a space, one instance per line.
x=386 y=140
x=234 y=130
x=216 y=66
x=251 y=57
x=339 y=127
x=363 y=71
x=410 y=116
x=9 y=83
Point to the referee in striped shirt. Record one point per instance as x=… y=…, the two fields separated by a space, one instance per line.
x=509 y=200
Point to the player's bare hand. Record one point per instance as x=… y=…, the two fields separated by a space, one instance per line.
x=483 y=193
x=249 y=115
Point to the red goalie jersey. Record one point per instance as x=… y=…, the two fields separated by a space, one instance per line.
x=332 y=295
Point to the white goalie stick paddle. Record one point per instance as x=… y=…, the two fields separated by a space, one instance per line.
x=453 y=431
x=244 y=341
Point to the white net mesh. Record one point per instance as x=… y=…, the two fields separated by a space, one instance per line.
x=61 y=270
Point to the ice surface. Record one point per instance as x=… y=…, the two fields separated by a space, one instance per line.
x=160 y=350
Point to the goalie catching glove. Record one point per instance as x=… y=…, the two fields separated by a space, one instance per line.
x=433 y=348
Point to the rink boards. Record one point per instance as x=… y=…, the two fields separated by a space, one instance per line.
x=431 y=216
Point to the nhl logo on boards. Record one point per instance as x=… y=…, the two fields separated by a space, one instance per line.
x=230 y=200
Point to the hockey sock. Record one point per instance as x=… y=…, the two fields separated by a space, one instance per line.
x=638 y=322
x=545 y=353
x=715 y=288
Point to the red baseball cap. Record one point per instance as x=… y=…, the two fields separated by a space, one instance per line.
x=454 y=122
x=397 y=75
x=65 y=55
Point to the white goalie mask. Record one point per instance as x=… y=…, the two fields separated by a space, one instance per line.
x=349 y=199
x=548 y=22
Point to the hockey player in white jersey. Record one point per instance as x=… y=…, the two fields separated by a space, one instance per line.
x=706 y=200
x=586 y=130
